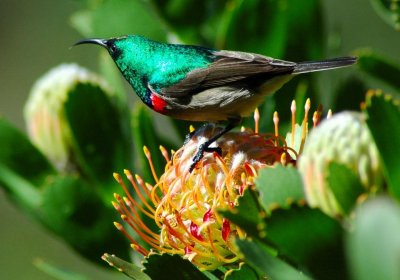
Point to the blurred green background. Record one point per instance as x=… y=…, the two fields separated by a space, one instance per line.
x=36 y=36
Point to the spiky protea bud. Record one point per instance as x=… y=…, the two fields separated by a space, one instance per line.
x=45 y=110
x=344 y=139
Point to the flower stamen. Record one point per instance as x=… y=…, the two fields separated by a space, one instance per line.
x=293 y=110
x=256 y=120
x=118 y=178
x=165 y=154
x=138 y=248
x=276 y=125
x=305 y=124
x=135 y=223
x=149 y=159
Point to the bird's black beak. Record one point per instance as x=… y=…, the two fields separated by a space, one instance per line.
x=101 y=42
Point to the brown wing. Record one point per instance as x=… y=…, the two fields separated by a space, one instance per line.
x=229 y=67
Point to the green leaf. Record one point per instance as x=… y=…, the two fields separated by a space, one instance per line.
x=257 y=26
x=389 y=11
x=306 y=24
x=57 y=272
x=345 y=185
x=383 y=121
x=24 y=192
x=279 y=187
x=248 y=215
x=129 y=269
x=257 y=255
x=21 y=156
x=111 y=18
x=379 y=67
x=145 y=134
x=23 y=169
x=350 y=94
x=304 y=236
x=243 y=272
x=73 y=210
x=373 y=245
x=101 y=145
x=194 y=28
x=165 y=266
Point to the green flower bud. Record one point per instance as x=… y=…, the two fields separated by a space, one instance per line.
x=343 y=139
x=45 y=112
x=74 y=121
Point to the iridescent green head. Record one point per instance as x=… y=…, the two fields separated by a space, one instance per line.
x=133 y=55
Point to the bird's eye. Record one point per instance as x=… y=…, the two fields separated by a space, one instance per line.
x=113 y=48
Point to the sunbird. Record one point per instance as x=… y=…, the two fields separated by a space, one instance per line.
x=195 y=83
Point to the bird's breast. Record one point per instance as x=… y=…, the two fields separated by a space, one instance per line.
x=216 y=104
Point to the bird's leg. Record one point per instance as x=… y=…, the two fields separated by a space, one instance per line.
x=205 y=147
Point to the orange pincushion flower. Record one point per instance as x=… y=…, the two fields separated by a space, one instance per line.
x=185 y=205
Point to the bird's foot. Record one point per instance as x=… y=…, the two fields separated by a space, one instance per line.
x=204 y=148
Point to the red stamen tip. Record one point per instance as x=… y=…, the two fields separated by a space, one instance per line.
x=194 y=230
x=226 y=229
x=207 y=216
x=188 y=250
x=248 y=169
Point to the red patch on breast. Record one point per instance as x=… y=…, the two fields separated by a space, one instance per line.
x=158 y=103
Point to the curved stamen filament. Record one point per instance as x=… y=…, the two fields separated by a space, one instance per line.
x=118 y=178
x=137 y=223
x=138 y=248
x=150 y=161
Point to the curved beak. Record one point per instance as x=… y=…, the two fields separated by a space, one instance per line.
x=101 y=42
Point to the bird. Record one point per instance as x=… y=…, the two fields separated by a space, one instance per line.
x=196 y=83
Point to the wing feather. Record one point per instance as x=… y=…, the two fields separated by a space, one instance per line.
x=229 y=67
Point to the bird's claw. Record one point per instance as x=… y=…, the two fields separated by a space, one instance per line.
x=200 y=153
x=217 y=150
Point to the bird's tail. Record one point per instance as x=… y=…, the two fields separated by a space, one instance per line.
x=312 y=66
